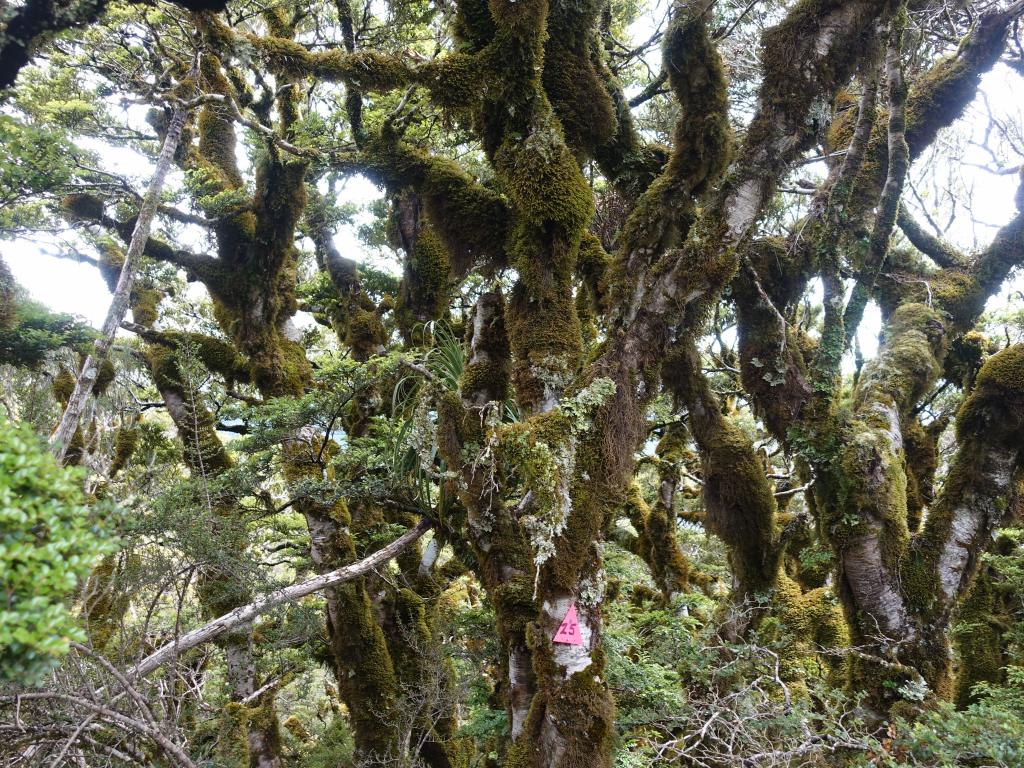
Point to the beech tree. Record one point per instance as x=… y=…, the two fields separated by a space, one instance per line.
x=628 y=312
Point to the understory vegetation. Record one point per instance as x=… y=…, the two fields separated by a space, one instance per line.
x=512 y=384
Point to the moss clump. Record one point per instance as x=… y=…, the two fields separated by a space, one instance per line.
x=217 y=355
x=366 y=675
x=571 y=79
x=470 y=219
x=546 y=342
x=738 y=499
x=914 y=342
x=543 y=180
x=940 y=95
x=82 y=207
x=740 y=506
x=815 y=621
x=1004 y=372
x=993 y=412
x=425 y=288
x=233 y=736
x=126 y=440
x=474 y=26
x=365 y=70
x=515 y=607
x=63 y=385
x=920 y=445
x=104 y=376
x=455 y=80
x=203 y=450
x=104 y=601
x=978 y=641
x=295 y=727
x=485 y=377
x=964 y=359
x=364 y=331
x=145 y=305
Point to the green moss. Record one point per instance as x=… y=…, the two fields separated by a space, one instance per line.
x=571 y=80
x=546 y=341
x=939 y=96
x=104 y=602
x=787 y=95
x=455 y=80
x=145 y=305
x=63 y=385
x=425 y=288
x=295 y=727
x=470 y=219
x=914 y=343
x=814 y=620
x=233 y=736
x=514 y=606
x=82 y=207
x=126 y=439
x=365 y=70
x=474 y=26
x=993 y=411
x=1003 y=373
x=104 y=376
x=964 y=359
x=203 y=450
x=366 y=676
x=920 y=445
x=543 y=180
x=978 y=641
x=364 y=331
x=740 y=506
x=216 y=128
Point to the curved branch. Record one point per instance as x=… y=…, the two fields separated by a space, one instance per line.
x=246 y=613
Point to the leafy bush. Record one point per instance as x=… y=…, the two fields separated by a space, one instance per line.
x=49 y=541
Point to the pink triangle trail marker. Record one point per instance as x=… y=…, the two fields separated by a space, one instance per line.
x=569 y=630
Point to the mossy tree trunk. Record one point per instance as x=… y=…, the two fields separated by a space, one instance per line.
x=529 y=79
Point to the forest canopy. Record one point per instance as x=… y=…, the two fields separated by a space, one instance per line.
x=513 y=383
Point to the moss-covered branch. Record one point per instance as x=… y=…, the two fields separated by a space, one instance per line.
x=89 y=209
x=739 y=503
x=975 y=496
x=472 y=220
x=455 y=80
x=702 y=141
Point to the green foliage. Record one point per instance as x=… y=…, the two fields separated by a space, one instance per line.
x=50 y=540
x=34 y=160
x=990 y=732
x=35 y=331
x=332 y=747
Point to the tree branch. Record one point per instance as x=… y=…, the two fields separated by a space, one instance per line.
x=246 y=613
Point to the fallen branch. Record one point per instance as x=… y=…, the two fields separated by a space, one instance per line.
x=246 y=613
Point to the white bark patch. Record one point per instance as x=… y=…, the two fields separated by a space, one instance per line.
x=975 y=514
x=841 y=20
x=241 y=671
x=872 y=584
x=429 y=557
x=519 y=681
x=291 y=331
x=574 y=658
x=743 y=207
